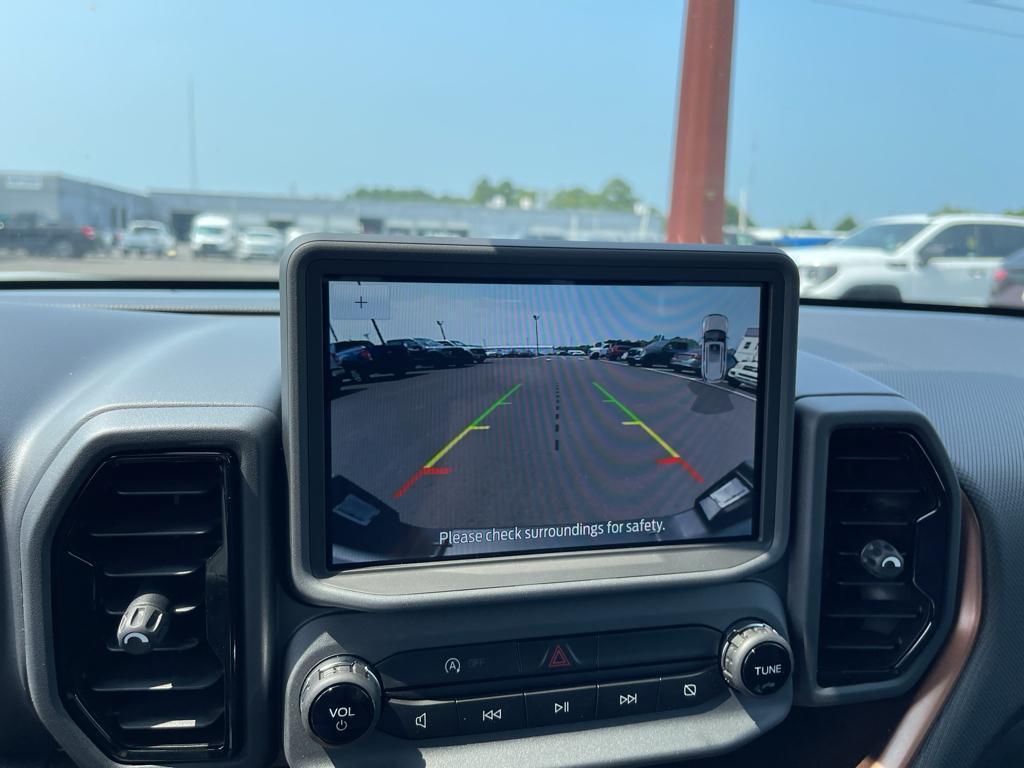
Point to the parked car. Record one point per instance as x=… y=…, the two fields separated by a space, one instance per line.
x=661 y=352
x=260 y=243
x=743 y=374
x=577 y=353
x=212 y=235
x=597 y=351
x=633 y=354
x=359 y=360
x=1008 y=283
x=618 y=351
x=950 y=259
x=427 y=353
x=691 y=361
x=479 y=353
x=148 y=238
x=30 y=233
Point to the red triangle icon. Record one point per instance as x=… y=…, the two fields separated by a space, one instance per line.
x=558 y=659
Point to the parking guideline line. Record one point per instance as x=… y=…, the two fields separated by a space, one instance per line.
x=473 y=425
x=639 y=422
x=635 y=420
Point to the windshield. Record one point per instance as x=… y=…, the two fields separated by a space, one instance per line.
x=641 y=123
x=888 y=237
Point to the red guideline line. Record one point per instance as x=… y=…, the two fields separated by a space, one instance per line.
x=677 y=460
x=420 y=473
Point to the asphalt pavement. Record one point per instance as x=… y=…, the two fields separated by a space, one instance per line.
x=101 y=265
x=536 y=441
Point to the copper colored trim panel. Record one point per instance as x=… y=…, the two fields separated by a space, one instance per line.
x=937 y=686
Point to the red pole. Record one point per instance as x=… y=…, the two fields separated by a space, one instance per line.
x=702 y=120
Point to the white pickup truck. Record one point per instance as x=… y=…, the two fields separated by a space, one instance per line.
x=946 y=259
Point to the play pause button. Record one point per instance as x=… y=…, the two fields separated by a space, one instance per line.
x=565 y=705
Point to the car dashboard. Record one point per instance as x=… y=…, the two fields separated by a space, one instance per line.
x=142 y=438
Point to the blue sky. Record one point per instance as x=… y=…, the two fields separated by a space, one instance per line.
x=502 y=315
x=834 y=110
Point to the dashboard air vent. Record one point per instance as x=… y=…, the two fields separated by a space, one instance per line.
x=885 y=555
x=155 y=523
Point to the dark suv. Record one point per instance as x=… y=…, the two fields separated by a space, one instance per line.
x=660 y=352
x=427 y=353
x=359 y=360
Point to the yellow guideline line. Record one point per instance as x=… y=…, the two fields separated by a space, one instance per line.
x=637 y=421
x=475 y=425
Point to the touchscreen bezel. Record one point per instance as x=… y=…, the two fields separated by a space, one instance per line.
x=317 y=259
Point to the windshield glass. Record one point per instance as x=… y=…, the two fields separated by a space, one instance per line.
x=888 y=237
x=644 y=123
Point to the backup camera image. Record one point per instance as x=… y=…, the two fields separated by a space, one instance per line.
x=466 y=420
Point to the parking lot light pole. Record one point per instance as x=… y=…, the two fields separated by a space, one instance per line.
x=440 y=324
x=536 y=335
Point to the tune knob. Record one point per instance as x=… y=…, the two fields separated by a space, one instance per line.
x=756 y=659
x=340 y=700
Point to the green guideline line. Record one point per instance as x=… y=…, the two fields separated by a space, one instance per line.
x=475 y=424
x=612 y=399
x=635 y=420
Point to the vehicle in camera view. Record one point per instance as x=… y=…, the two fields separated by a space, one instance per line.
x=690 y=362
x=147 y=238
x=479 y=353
x=260 y=243
x=633 y=355
x=950 y=258
x=427 y=353
x=212 y=235
x=359 y=360
x=660 y=352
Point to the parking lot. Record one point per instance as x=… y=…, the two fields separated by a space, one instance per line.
x=107 y=265
x=532 y=440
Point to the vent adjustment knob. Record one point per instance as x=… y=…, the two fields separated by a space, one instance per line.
x=144 y=622
x=881 y=559
x=756 y=659
x=340 y=700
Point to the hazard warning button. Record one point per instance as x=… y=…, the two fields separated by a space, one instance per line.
x=560 y=654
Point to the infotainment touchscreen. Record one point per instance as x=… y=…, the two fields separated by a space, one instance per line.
x=469 y=420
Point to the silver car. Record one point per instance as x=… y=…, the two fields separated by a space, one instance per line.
x=260 y=243
x=150 y=238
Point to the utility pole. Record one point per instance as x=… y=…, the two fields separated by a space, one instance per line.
x=379 y=334
x=536 y=335
x=193 y=167
x=702 y=121
x=440 y=324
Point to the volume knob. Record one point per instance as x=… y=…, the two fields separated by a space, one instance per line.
x=340 y=700
x=756 y=659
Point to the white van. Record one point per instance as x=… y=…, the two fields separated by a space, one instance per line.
x=947 y=259
x=212 y=235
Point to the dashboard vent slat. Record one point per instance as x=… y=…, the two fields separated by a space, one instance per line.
x=155 y=522
x=881 y=485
